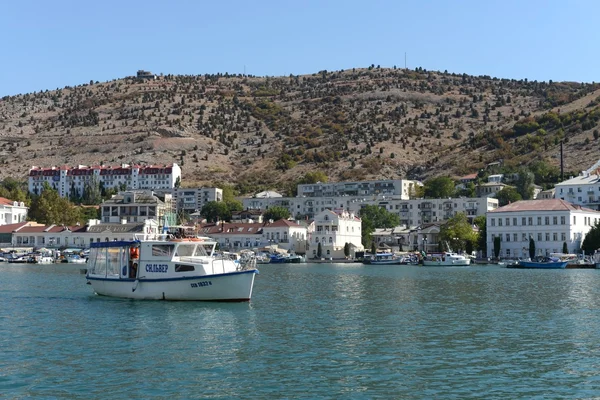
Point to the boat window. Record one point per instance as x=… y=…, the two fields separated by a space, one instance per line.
x=113 y=261
x=162 y=250
x=185 y=250
x=183 y=268
x=203 y=250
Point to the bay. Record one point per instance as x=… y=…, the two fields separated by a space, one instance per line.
x=311 y=331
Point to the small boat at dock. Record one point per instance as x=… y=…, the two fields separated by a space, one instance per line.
x=541 y=263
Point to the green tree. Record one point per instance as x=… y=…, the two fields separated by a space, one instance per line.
x=373 y=248
x=319 y=250
x=439 y=188
x=215 y=211
x=524 y=184
x=374 y=217
x=347 y=249
x=313 y=177
x=276 y=213
x=457 y=231
x=416 y=191
x=591 y=242
x=507 y=195
x=92 y=194
x=497 y=244
x=565 y=249
x=469 y=190
x=531 y=248
x=49 y=208
x=178 y=182
x=481 y=223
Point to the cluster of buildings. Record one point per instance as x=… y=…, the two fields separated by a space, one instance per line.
x=326 y=214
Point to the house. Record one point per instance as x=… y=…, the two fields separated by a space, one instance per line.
x=489 y=189
x=332 y=230
x=288 y=235
x=583 y=190
x=12 y=212
x=247 y=216
x=550 y=223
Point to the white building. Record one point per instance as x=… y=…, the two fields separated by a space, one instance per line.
x=583 y=190
x=69 y=181
x=136 y=206
x=333 y=229
x=411 y=212
x=397 y=187
x=235 y=236
x=549 y=222
x=12 y=212
x=32 y=234
x=191 y=200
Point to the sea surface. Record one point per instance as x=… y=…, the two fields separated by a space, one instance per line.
x=311 y=331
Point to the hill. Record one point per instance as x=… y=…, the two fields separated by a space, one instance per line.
x=265 y=132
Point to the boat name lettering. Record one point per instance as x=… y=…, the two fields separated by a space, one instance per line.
x=157 y=268
x=200 y=284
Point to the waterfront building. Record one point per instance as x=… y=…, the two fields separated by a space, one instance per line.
x=12 y=212
x=190 y=200
x=138 y=206
x=332 y=229
x=71 y=181
x=549 y=222
x=32 y=234
x=235 y=236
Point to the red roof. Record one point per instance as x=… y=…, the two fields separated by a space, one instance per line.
x=9 y=228
x=281 y=223
x=469 y=177
x=6 y=202
x=231 y=228
x=541 y=205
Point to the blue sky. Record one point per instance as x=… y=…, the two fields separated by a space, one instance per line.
x=50 y=44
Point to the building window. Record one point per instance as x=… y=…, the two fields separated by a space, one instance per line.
x=574 y=220
x=547 y=236
x=563 y=236
x=554 y=220
x=530 y=220
x=539 y=220
x=547 y=221
x=523 y=221
x=555 y=236
x=515 y=237
x=524 y=237
x=508 y=237
x=507 y=221
x=499 y=221
x=539 y=236
x=562 y=220
x=515 y=221
x=492 y=222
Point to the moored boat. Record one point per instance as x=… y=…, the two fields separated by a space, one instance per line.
x=445 y=259
x=541 y=263
x=75 y=259
x=384 y=259
x=157 y=267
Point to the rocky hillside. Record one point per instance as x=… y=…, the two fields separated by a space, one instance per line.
x=265 y=132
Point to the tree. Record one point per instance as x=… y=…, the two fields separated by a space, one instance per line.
x=457 y=231
x=531 y=248
x=481 y=223
x=373 y=248
x=215 y=211
x=497 y=244
x=373 y=217
x=347 y=249
x=416 y=191
x=508 y=195
x=276 y=213
x=591 y=242
x=524 y=184
x=49 y=208
x=91 y=192
x=319 y=250
x=178 y=182
x=565 y=248
x=439 y=188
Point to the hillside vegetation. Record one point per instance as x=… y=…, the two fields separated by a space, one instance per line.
x=265 y=132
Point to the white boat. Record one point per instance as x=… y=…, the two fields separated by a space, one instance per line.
x=445 y=259
x=75 y=259
x=384 y=259
x=157 y=267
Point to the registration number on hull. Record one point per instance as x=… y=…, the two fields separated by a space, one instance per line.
x=201 y=284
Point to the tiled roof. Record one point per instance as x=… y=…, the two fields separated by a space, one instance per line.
x=9 y=228
x=6 y=202
x=541 y=205
x=468 y=177
x=232 y=228
x=281 y=223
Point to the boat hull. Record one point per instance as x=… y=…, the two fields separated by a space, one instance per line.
x=458 y=263
x=385 y=262
x=233 y=286
x=540 y=265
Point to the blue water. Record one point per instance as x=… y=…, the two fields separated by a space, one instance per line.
x=311 y=331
